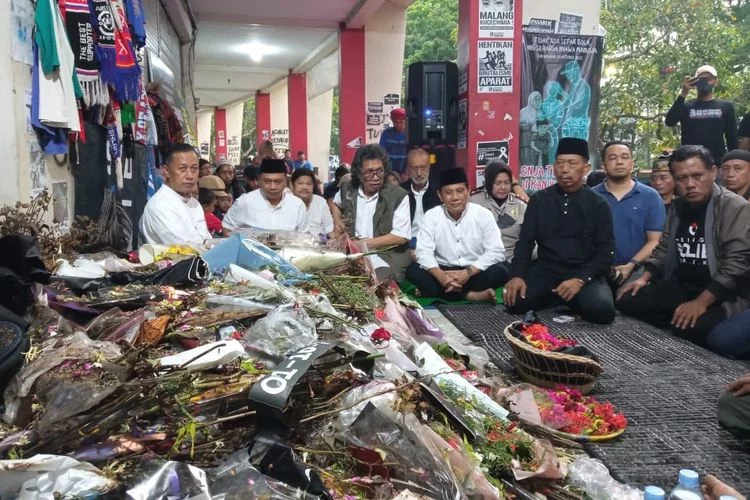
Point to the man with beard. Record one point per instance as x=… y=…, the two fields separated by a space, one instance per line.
x=706 y=121
x=637 y=212
x=422 y=196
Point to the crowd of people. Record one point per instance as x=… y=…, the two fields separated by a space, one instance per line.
x=675 y=254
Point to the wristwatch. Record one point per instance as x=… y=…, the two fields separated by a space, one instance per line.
x=635 y=263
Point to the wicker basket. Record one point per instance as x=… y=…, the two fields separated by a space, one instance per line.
x=550 y=369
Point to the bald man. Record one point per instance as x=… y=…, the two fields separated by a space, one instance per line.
x=422 y=196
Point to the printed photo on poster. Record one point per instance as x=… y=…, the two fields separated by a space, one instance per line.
x=375 y=107
x=493 y=150
x=495 y=67
x=463 y=121
x=392 y=99
x=479 y=177
x=560 y=98
x=537 y=25
x=570 y=24
x=496 y=18
x=374 y=120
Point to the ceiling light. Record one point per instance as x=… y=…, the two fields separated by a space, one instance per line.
x=257 y=50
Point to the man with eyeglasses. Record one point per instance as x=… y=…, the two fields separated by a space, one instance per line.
x=375 y=212
x=422 y=196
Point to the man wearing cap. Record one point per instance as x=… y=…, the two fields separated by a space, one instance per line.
x=393 y=140
x=459 y=248
x=422 y=196
x=735 y=172
x=576 y=120
x=269 y=208
x=375 y=212
x=705 y=121
x=572 y=227
x=225 y=170
x=697 y=275
x=662 y=180
x=172 y=215
x=213 y=183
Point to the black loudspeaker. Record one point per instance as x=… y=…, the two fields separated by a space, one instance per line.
x=432 y=103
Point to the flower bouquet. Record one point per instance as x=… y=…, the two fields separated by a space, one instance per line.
x=582 y=417
x=538 y=335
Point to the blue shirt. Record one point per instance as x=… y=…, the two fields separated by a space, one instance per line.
x=302 y=164
x=394 y=143
x=638 y=212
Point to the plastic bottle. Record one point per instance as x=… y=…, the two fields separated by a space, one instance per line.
x=654 y=493
x=688 y=486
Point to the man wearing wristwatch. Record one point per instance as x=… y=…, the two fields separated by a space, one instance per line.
x=637 y=212
x=572 y=228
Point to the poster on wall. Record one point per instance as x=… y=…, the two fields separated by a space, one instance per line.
x=463 y=121
x=495 y=67
x=479 y=177
x=379 y=115
x=570 y=24
x=233 y=150
x=560 y=98
x=463 y=64
x=493 y=150
x=280 y=140
x=22 y=30
x=537 y=25
x=496 y=18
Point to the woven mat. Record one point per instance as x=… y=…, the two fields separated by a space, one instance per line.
x=668 y=389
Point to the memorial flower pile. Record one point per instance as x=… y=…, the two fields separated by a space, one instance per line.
x=571 y=412
x=540 y=337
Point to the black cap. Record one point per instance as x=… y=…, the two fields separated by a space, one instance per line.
x=453 y=176
x=272 y=166
x=737 y=154
x=573 y=146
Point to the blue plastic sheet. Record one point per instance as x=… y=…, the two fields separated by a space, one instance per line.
x=251 y=255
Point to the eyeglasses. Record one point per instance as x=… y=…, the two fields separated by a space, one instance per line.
x=371 y=174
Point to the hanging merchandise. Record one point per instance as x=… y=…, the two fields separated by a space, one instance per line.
x=144 y=130
x=115 y=50
x=136 y=22
x=81 y=35
x=168 y=126
x=58 y=83
x=53 y=140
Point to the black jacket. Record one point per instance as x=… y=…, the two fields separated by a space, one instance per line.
x=429 y=200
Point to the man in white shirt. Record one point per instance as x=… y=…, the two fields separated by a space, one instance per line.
x=422 y=195
x=269 y=208
x=172 y=216
x=304 y=187
x=460 y=251
x=377 y=213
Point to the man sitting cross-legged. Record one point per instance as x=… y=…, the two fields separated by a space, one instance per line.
x=459 y=247
x=696 y=276
x=572 y=227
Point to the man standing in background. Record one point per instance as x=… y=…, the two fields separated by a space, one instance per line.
x=705 y=121
x=393 y=140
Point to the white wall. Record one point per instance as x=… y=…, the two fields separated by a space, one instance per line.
x=234 y=131
x=319 y=121
x=205 y=118
x=279 y=96
x=385 y=35
x=11 y=168
x=551 y=9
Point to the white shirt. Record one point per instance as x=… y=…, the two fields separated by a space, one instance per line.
x=473 y=240
x=363 y=226
x=170 y=219
x=319 y=216
x=252 y=210
x=418 y=209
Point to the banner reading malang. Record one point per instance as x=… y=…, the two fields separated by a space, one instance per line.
x=560 y=98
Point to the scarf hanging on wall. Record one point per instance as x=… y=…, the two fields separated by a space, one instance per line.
x=136 y=21
x=114 y=48
x=81 y=36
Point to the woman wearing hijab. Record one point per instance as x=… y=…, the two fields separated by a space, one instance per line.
x=507 y=208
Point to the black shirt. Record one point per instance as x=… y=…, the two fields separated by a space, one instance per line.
x=705 y=123
x=692 y=258
x=573 y=232
x=745 y=126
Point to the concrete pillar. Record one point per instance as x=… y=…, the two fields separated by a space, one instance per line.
x=489 y=65
x=319 y=121
x=297 y=100
x=234 y=131
x=220 y=128
x=279 y=98
x=204 y=120
x=262 y=117
x=352 y=100
x=385 y=35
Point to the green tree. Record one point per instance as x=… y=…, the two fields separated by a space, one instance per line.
x=650 y=46
x=248 y=129
x=334 y=150
x=431 y=31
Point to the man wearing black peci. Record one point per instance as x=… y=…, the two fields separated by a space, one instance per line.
x=572 y=227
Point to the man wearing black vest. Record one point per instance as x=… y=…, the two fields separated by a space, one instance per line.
x=422 y=195
x=375 y=212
